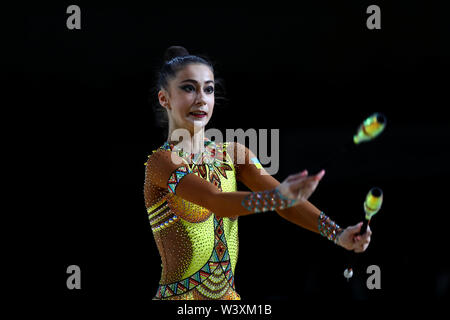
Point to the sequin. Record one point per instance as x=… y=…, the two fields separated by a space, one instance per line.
x=262 y=201
x=328 y=228
x=198 y=250
x=176 y=177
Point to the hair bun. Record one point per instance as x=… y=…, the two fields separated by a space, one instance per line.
x=175 y=51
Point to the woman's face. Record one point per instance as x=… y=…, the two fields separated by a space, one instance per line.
x=190 y=97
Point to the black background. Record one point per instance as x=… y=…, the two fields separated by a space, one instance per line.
x=314 y=71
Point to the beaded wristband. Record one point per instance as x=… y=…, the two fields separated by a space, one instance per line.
x=328 y=228
x=262 y=201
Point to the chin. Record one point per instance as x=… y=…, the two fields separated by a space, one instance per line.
x=198 y=123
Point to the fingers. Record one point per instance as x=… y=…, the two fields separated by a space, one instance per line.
x=304 y=174
x=320 y=175
x=363 y=239
x=361 y=248
x=369 y=231
x=301 y=181
x=362 y=242
x=293 y=177
x=303 y=185
x=306 y=184
x=313 y=180
x=354 y=230
x=365 y=236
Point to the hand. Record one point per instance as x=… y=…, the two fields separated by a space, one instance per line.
x=299 y=187
x=351 y=240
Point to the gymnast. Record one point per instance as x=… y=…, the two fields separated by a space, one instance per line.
x=192 y=199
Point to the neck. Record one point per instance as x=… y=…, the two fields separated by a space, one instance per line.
x=191 y=141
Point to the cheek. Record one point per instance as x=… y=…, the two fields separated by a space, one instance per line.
x=182 y=103
x=211 y=101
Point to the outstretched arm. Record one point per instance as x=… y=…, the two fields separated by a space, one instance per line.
x=304 y=213
x=167 y=171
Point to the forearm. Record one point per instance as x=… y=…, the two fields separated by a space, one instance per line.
x=306 y=215
x=303 y=214
x=229 y=204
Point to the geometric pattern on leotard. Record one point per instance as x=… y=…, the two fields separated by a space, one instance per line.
x=209 y=165
x=175 y=178
x=213 y=278
x=160 y=216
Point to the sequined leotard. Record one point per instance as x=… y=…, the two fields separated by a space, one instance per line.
x=198 y=250
x=193 y=208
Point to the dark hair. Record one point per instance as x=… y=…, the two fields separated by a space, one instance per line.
x=175 y=59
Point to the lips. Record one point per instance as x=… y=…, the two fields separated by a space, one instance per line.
x=198 y=114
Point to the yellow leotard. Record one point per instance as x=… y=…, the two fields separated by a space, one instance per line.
x=198 y=250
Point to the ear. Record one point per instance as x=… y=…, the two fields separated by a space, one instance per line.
x=163 y=97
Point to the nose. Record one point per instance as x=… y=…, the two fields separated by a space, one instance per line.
x=200 y=99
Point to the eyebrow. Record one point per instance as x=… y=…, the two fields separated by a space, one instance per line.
x=195 y=81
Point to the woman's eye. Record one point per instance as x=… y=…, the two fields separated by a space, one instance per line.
x=188 y=88
x=209 y=89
